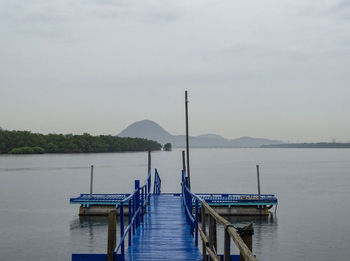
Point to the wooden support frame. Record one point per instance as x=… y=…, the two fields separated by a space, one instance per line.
x=243 y=240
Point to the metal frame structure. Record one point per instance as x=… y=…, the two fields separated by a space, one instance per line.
x=137 y=202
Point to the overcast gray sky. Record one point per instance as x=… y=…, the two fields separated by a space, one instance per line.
x=274 y=69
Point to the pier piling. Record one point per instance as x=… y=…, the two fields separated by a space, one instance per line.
x=258 y=178
x=91 y=179
x=112 y=227
x=246 y=234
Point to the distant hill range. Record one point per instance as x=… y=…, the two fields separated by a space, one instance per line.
x=319 y=145
x=150 y=130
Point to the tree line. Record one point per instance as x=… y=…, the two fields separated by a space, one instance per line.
x=24 y=142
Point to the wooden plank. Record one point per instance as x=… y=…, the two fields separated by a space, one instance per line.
x=165 y=233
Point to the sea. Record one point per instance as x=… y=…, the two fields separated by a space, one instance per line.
x=37 y=222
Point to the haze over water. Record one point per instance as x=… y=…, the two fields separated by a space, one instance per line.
x=312 y=185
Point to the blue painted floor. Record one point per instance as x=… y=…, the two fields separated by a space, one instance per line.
x=165 y=233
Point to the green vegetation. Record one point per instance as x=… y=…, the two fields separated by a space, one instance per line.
x=27 y=150
x=23 y=141
x=167 y=147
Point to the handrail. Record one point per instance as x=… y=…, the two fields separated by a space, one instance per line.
x=230 y=231
x=188 y=198
x=157 y=183
x=209 y=243
x=137 y=202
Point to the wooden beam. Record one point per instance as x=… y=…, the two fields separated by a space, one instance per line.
x=112 y=231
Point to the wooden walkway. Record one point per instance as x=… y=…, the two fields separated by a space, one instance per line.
x=165 y=233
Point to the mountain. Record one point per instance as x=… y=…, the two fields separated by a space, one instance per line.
x=250 y=142
x=146 y=129
x=150 y=130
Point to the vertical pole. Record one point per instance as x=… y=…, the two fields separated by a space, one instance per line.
x=121 y=213
x=133 y=213
x=196 y=224
x=129 y=218
x=111 y=235
x=183 y=161
x=227 y=246
x=137 y=202
x=91 y=179
x=187 y=142
x=142 y=204
x=204 y=247
x=154 y=184
x=258 y=178
x=149 y=160
x=149 y=170
x=212 y=234
x=246 y=234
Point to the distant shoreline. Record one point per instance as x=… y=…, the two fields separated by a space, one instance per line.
x=25 y=142
x=319 y=145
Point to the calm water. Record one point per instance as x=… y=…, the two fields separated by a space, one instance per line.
x=313 y=187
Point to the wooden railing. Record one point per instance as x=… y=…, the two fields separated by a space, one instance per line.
x=242 y=237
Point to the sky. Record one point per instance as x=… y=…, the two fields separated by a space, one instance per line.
x=271 y=69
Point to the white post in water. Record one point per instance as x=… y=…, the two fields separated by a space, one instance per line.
x=91 y=179
x=258 y=177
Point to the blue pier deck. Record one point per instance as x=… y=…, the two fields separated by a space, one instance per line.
x=99 y=199
x=165 y=233
x=161 y=226
x=213 y=199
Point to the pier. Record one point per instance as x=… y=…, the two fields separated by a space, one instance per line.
x=169 y=226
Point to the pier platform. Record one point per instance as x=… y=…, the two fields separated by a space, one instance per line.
x=157 y=239
x=224 y=204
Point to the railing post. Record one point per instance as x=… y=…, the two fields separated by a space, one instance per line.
x=137 y=203
x=196 y=224
x=154 y=185
x=150 y=186
x=142 y=204
x=91 y=179
x=212 y=234
x=129 y=219
x=122 y=226
x=227 y=246
x=133 y=212
x=246 y=234
x=182 y=183
x=112 y=228
x=149 y=171
x=204 y=247
x=146 y=194
x=183 y=161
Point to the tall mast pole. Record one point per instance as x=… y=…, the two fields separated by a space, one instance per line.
x=187 y=142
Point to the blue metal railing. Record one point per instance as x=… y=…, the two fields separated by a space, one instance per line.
x=137 y=202
x=157 y=183
x=188 y=198
x=238 y=199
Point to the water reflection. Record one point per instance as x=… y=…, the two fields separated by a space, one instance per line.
x=88 y=222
